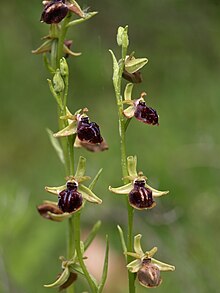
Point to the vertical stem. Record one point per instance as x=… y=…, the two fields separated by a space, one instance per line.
x=122 y=131
x=79 y=252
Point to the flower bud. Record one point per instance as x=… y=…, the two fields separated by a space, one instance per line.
x=70 y=200
x=149 y=274
x=88 y=131
x=64 y=70
x=141 y=197
x=54 y=11
x=58 y=82
x=146 y=114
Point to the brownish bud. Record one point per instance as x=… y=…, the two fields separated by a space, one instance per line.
x=135 y=77
x=149 y=274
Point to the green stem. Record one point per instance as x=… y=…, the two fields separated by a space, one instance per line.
x=79 y=252
x=62 y=35
x=122 y=131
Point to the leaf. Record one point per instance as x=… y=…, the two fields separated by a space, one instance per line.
x=96 y=178
x=125 y=189
x=92 y=234
x=56 y=145
x=105 y=267
x=115 y=76
x=123 y=244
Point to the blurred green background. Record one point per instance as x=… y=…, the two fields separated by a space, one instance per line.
x=181 y=39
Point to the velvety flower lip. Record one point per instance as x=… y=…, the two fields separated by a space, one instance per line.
x=140 y=194
x=54 y=11
x=147 y=268
x=139 y=109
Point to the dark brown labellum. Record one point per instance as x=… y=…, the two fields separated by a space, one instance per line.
x=141 y=197
x=149 y=275
x=146 y=114
x=70 y=200
x=135 y=77
x=72 y=278
x=54 y=12
x=88 y=131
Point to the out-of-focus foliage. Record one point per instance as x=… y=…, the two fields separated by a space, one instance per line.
x=181 y=39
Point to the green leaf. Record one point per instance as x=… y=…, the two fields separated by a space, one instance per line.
x=105 y=267
x=128 y=91
x=81 y=167
x=125 y=189
x=56 y=145
x=122 y=238
x=96 y=178
x=92 y=234
x=115 y=77
x=61 y=280
x=89 y=195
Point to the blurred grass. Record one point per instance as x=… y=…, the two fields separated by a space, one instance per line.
x=182 y=42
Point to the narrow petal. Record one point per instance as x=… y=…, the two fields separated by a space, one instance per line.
x=55 y=190
x=129 y=112
x=134 y=266
x=157 y=193
x=163 y=266
x=89 y=195
x=151 y=252
x=71 y=53
x=125 y=189
x=133 y=254
x=69 y=130
x=61 y=280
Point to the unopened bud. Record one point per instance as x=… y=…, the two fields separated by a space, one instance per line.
x=58 y=82
x=64 y=70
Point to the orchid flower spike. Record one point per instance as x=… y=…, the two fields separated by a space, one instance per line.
x=140 y=194
x=147 y=268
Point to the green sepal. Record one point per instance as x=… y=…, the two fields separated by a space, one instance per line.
x=125 y=189
x=88 y=194
x=132 y=166
x=92 y=234
x=129 y=112
x=61 y=280
x=163 y=266
x=137 y=245
x=151 y=252
x=55 y=190
x=134 y=266
x=66 y=50
x=155 y=192
x=69 y=130
x=45 y=47
x=115 y=70
x=128 y=91
x=59 y=217
x=132 y=64
x=133 y=254
x=105 y=267
x=86 y=17
x=56 y=145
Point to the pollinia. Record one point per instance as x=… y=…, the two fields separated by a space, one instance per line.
x=75 y=129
